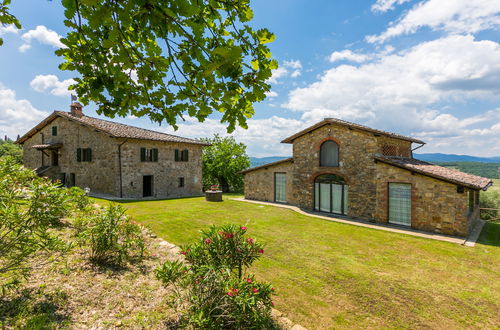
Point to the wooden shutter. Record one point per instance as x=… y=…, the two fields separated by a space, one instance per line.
x=89 y=154
x=185 y=158
x=143 y=154
x=176 y=155
x=79 y=154
x=155 y=155
x=54 y=130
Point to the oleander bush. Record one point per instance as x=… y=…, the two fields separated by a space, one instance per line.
x=212 y=288
x=30 y=209
x=109 y=236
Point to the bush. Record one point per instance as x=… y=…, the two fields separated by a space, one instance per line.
x=213 y=290
x=29 y=207
x=490 y=199
x=109 y=236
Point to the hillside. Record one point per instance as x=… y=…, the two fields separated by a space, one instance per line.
x=437 y=157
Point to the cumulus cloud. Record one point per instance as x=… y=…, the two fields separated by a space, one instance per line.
x=386 y=5
x=8 y=29
x=51 y=84
x=457 y=16
x=43 y=35
x=291 y=68
x=17 y=116
x=271 y=94
x=348 y=55
x=262 y=137
x=402 y=89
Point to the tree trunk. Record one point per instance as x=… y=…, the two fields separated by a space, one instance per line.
x=224 y=185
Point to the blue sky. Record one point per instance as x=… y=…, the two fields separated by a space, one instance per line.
x=428 y=68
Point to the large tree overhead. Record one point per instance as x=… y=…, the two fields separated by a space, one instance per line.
x=223 y=161
x=167 y=59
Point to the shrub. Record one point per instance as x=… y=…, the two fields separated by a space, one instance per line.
x=29 y=207
x=490 y=199
x=109 y=236
x=212 y=289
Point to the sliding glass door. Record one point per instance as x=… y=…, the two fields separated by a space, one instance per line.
x=330 y=194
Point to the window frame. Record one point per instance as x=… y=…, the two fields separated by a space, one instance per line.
x=149 y=155
x=321 y=153
x=181 y=182
x=54 y=130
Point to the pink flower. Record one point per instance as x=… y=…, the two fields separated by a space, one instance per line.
x=228 y=235
x=220 y=233
x=249 y=280
x=272 y=289
x=261 y=251
x=183 y=252
x=230 y=293
x=243 y=228
x=250 y=241
x=255 y=290
x=208 y=241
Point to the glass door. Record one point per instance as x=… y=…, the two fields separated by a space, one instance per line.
x=280 y=187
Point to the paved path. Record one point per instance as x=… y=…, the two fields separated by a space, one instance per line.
x=362 y=223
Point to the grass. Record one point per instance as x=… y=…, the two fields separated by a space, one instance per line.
x=331 y=275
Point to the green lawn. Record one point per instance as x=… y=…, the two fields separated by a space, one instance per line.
x=331 y=275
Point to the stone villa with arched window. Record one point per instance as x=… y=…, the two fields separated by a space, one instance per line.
x=349 y=169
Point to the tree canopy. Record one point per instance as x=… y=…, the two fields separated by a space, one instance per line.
x=165 y=59
x=9 y=149
x=223 y=161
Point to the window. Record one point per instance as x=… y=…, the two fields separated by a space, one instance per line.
x=149 y=155
x=84 y=155
x=181 y=182
x=181 y=155
x=400 y=203
x=54 y=130
x=329 y=154
x=280 y=187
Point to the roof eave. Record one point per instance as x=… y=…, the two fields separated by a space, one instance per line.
x=267 y=165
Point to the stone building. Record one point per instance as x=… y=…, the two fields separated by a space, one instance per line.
x=113 y=159
x=349 y=169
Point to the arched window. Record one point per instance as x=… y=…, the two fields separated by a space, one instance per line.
x=329 y=154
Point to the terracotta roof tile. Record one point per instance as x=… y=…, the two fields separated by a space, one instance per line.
x=113 y=129
x=438 y=172
x=327 y=121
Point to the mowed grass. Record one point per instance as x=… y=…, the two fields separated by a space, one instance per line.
x=331 y=275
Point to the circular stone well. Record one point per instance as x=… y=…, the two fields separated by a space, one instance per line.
x=213 y=195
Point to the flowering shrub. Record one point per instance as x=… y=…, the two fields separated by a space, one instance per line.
x=109 y=236
x=214 y=283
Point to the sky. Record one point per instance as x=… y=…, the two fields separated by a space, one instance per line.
x=428 y=69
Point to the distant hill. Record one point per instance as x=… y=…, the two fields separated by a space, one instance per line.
x=437 y=157
x=255 y=161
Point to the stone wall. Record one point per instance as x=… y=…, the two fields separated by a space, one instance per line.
x=99 y=175
x=102 y=174
x=166 y=172
x=436 y=205
x=259 y=184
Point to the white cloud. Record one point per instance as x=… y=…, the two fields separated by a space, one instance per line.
x=44 y=36
x=399 y=92
x=24 y=47
x=457 y=16
x=348 y=55
x=16 y=116
x=51 y=84
x=386 y=5
x=6 y=29
x=271 y=94
x=262 y=137
x=291 y=68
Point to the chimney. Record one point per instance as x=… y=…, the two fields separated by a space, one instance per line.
x=76 y=109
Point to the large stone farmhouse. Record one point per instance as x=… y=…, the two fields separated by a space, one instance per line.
x=348 y=169
x=113 y=159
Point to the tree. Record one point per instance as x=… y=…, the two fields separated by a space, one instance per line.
x=8 y=148
x=223 y=161
x=166 y=59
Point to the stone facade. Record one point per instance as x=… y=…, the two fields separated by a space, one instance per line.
x=436 y=205
x=114 y=158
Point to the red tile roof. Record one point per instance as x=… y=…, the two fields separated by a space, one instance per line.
x=328 y=121
x=111 y=128
x=438 y=172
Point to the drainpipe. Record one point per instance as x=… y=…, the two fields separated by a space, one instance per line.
x=120 y=166
x=42 y=150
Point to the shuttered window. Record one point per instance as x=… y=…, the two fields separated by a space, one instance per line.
x=181 y=182
x=400 y=203
x=181 y=155
x=84 y=155
x=54 y=130
x=149 y=155
x=280 y=187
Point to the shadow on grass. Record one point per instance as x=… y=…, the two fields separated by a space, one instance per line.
x=33 y=309
x=490 y=235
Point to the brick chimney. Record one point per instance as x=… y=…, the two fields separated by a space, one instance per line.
x=76 y=109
